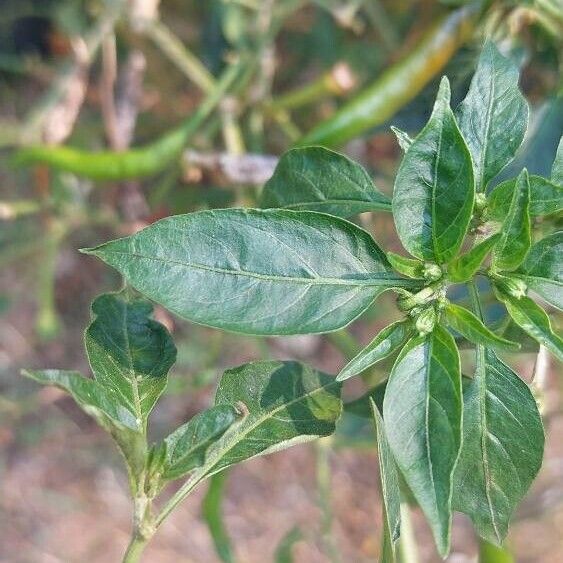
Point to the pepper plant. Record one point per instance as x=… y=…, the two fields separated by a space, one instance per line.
x=454 y=436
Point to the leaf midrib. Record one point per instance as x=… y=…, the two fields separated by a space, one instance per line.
x=385 y=278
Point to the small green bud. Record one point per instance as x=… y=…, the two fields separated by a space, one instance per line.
x=480 y=201
x=515 y=287
x=426 y=321
x=432 y=272
x=406 y=303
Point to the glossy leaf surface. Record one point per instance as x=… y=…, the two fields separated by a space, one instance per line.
x=422 y=411
x=285 y=403
x=389 y=340
x=502 y=446
x=545 y=198
x=515 y=234
x=470 y=327
x=129 y=352
x=186 y=448
x=534 y=320
x=543 y=269
x=253 y=271
x=318 y=179
x=389 y=478
x=494 y=115
x=434 y=188
x=464 y=267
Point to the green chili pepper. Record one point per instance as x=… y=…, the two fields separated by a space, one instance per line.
x=133 y=163
x=399 y=84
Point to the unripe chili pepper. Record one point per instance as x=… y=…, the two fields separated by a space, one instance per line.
x=136 y=162
x=399 y=84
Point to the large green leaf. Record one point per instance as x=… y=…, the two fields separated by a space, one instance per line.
x=256 y=271
x=470 y=327
x=515 y=234
x=389 y=477
x=129 y=352
x=543 y=269
x=422 y=411
x=463 y=268
x=285 y=403
x=434 y=189
x=545 y=198
x=318 y=179
x=534 y=320
x=502 y=446
x=186 y=448
x=494 y=115
x=387 y=341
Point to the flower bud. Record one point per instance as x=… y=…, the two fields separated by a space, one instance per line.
x=426 y=321
x=432 y=272
x=480 y=201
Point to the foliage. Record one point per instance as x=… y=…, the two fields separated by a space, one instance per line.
x=299 y=266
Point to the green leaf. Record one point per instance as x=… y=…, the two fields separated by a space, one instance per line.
x=129 y=352
x=403 y=138
x=186 y=448
x=256 y=271
x=286 y=403
x=390 y=339
x=434 y=188
x=557 y=168
x=545 y=198
x=318 y=179
x=470 y=327
x=464 y=267
x=502 y=446
x=494 y=115
x=543 y=269
x=389 y=477
x=406 y=266
x=99 y=402
x=515 y=237
x=422 y=411
x=362 y=405
x=534 y=320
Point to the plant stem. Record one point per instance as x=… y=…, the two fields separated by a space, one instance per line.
x=135 y=549
x=490 y=553
x=408 y=552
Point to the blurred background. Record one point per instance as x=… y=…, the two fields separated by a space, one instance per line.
x=110 y=75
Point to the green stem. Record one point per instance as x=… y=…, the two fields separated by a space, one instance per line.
x=135 y=549
x=490 y=553
x=407 y=550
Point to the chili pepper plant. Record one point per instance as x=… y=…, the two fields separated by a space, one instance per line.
x=453 y=434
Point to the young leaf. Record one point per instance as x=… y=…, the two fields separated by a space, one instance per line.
x=403 y=138
x=494 y=115
x=406 y=266
x=545 y=198
x=464 y=267
x=502 y=446
x=389 y=477
x=286 y=403
x=515 y=237
x=390 y=339
x=186 y=448
x=256 y=271
x=534 y=320
x=434 y=188
x=422 y=412
x=470 y=327
x=318 y=179
x=129 y=352
x=557 y=168
x=98 y=401
x=543 y=269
